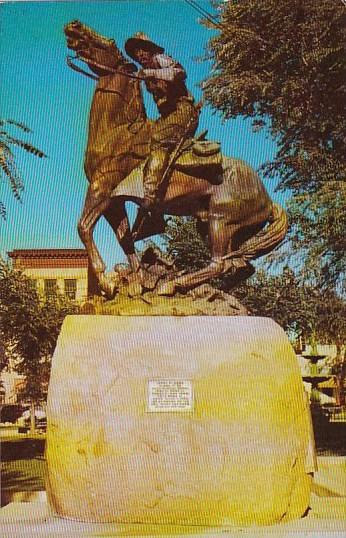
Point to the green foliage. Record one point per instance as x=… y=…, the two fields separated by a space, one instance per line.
x=298 y=306
x=317 y=234
x=8 y=169
x=282 y=63
x=29 y=328
x=184 y=244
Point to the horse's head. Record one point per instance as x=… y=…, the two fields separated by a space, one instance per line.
x=96 y=50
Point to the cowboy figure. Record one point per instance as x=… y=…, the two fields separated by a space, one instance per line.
x=165 y=80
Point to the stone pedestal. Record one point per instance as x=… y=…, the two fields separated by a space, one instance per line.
x=177 y=420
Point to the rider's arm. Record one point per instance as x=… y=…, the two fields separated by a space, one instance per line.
x=167 y=69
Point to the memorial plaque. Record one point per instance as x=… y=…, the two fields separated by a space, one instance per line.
x=167 y=395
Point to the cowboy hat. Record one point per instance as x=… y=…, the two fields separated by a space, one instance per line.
x=141 y=41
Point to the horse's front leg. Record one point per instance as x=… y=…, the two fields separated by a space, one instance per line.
x=116 y=217
x=96 y=203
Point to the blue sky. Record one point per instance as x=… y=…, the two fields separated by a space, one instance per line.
x=38 y=89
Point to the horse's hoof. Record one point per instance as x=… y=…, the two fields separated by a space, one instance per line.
x=166 y=288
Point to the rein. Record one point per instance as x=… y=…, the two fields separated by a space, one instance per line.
x=79 y=69
x=106 y=68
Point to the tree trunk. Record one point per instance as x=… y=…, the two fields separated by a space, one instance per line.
x=32 y=418
x=339 y=392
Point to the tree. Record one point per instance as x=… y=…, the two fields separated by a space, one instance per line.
x=299 y=307
x=282 y=63
x=8 y=168
x=29 y=328
x=185 y=245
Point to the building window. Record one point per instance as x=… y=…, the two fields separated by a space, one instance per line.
x=70 y=288
x=50 y=288
x=33 y=283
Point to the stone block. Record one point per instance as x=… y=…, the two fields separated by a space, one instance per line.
x=177 y=420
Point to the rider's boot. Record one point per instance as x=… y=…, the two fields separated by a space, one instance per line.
x=150 y=219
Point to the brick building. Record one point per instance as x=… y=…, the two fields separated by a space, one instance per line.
x=65 y=271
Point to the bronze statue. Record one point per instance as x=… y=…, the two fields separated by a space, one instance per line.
x=225 y=195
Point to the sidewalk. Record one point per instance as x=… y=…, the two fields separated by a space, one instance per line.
x=326 y=518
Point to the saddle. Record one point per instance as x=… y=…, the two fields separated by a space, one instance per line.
x=202 y=158
x=198 y=157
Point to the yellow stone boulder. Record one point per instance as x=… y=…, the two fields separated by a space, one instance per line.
x=177 y=420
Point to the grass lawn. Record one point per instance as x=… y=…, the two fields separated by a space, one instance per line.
x=22 y=465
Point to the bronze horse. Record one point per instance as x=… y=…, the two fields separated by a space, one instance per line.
x=241 y=221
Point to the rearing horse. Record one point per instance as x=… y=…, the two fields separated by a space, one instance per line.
x=238 y=216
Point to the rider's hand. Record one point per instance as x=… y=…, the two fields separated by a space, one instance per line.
x=141 y=73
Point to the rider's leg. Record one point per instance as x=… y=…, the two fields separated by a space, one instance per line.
x=149 y=219
x=154 y=170
x=167 y=132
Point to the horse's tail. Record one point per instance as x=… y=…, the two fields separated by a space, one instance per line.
x=265 y=240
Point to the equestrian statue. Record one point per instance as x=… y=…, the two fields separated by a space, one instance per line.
x=163 y=167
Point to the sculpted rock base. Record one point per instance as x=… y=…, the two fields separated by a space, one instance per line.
x=202 y=301
x=235 y=450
